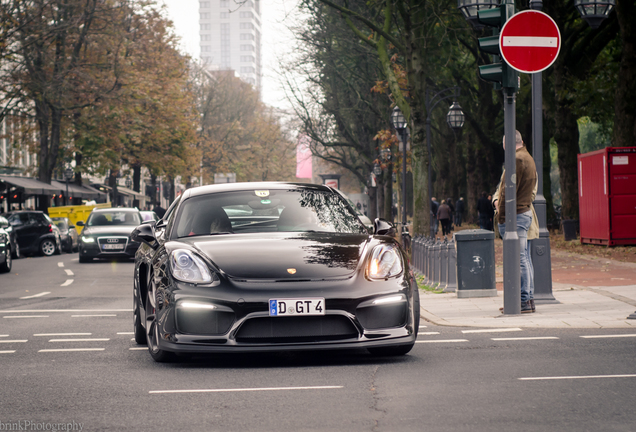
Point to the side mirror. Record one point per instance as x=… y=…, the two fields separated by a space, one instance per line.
x=145 y=233
x=383 y=227
x=80 y=223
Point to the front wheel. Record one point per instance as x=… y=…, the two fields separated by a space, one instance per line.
x=15 y=252
x=5 y=267
x=397 y=350
x=138 y=329
x=152 y=331
x=47 y=247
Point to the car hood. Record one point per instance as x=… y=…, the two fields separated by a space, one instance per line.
x=285 y=256
x=122 y=230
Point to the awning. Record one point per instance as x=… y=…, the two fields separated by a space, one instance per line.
x=123 y=191
x=30 y=186
x=78 y=191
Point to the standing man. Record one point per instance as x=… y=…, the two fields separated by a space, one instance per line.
x=434 y=207
x=526 y=182
x=444 y=216
x=483 y=209
x=459 y=210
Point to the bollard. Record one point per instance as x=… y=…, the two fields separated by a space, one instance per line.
x=435 y=263
x=443 y=265
x=415 y=254
x=427 y=261
x=452 y=267
x=420 y=253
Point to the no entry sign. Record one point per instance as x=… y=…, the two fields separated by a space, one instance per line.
x=530 y=41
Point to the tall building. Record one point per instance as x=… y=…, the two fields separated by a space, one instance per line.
x=230 y=32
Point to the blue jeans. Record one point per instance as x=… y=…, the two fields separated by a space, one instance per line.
x=527 y=271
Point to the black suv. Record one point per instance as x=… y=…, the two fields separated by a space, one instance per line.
x=35 y=232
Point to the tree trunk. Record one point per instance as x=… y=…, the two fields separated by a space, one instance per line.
x=624 y=102
x=567 y=138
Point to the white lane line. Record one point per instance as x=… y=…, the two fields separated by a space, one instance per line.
x=125 y=333
x=245 y=389
x=422 y=326
x=526 y=338
x=35 y=295
x=442 y=341
x=97 y=315
x=608 y=336
x=576 y=377
x=63 y=334
x=427 y=333
x=69 y=272
x=68 y=282
x=138 y=349
x=4 y=335
x=13 y=341
x=26 y=316
x=80 y=340
x=64 y=310
x=500 y=330
x=71 y=349
x=7 y=352
x=60 y=264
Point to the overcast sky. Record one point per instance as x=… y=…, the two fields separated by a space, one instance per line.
x=276 y=39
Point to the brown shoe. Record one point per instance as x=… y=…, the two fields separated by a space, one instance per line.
x=526 y=307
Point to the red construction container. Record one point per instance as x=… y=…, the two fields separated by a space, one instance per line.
x=607 y=196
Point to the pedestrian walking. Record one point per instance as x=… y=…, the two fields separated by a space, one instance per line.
x=484 y=208
x=451 y=204
x=459 y=210
x=491 y=214
x=444 y=216
x=526 y=174
x=434 y=224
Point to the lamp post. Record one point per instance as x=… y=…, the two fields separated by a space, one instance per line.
x=454 y=118
x=399 y=123
x=594 y=11
x=68 y=174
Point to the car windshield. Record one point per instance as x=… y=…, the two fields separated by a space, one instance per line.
x=114 y=217
x=295 y=210
x=62 y=225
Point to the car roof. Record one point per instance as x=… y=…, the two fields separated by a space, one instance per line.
x=245 y=186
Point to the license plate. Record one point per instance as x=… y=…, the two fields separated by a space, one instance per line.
x=113 y=246
x=288 y=307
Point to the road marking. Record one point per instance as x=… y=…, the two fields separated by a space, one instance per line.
x=72 y=349
x=64 y=310
x=576 y=377
x=125 y=333
x=422 y=326
x=80 y=340
x=13 y=341
x=442 y=341
x=69 y=272
x=245 y=389
x=427 y=333
x=26 y=316
x=7 y=352
x=68 y=282
x=4 y=335
x=60 y=264
x=63 y=334
x=525 y=338
x=97 y=315
x=608 y=336
x=35 y=295
x=500 y=330
x=138 y=349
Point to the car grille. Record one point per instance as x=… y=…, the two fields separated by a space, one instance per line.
x=112 y=244
x=296 y=329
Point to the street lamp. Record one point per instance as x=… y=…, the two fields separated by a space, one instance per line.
x=594 y=11
x=128 y=182
x=68 y=174
x=399 y=123
x=470 y=8
x=454 y=118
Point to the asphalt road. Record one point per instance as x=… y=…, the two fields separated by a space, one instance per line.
x=68 y=359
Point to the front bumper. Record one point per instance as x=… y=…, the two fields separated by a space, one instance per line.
x=95 y=250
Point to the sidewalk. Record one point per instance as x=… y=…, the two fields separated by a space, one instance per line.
x=591 y=293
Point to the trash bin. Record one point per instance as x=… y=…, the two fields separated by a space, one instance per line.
x=475 y=263
x=569 y=229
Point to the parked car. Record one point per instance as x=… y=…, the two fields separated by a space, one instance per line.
x=302 y=274
x=35 y=232
x=13 y=240
x=148 y=215
x=68 y=234
x=106 y=234
x=5 y=251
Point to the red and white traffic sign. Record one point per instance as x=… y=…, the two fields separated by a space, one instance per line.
x=530 y=41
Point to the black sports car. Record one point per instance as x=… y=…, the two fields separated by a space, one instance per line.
x=248 y=267
x=106 y=234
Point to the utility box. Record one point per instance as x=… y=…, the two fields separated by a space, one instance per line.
x=607 y=196
x=475 y=263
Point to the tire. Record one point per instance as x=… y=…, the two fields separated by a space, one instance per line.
x=152 y=332
x=390 y=351
x=5 y=267
x=15 y=252
x=69 y=249
x=84 y=259
x=48 y=247
x=138 y=329
x=58 y=247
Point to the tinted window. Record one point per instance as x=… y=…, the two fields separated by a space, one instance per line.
x=114 y=217
x=296 y=210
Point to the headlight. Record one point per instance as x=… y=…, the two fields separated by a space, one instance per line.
x=385 y=263
x=187 y=267
x=88 y=239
